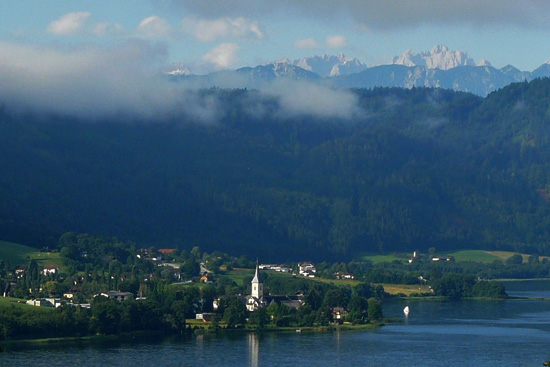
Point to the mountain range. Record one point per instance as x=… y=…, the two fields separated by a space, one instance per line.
x=414 y=169
x=438 y=68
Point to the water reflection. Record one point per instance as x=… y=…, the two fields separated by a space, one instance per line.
x=253 y=349
x=472 y=333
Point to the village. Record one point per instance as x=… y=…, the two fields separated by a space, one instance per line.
x=209 y=288
x=255 y=300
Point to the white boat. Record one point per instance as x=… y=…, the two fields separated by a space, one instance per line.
x=406 y=310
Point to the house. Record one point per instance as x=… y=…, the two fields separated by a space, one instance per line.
x=344 y=276
x=119 y=296
x=39 y=303
x=205 y=316
x=207 y=278
x=291 y=301
x=50 y=270
x=441 y=259
x=339 y=314
x=166 y=251
x=20 y=271
x=171 y=265
x=277 y=268
x=56 y=302
x=307 y=269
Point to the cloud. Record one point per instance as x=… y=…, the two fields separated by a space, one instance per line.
x=298 y=98
x=306 y=44
x=95 y=82
x=155 y=27
x=69 y=24
x=336 y=41
x=208 y=30
x=223 y=56
x=375 y=14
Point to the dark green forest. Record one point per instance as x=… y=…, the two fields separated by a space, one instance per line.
x=416 y=169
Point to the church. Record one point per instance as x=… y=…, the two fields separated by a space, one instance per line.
x=257 y=298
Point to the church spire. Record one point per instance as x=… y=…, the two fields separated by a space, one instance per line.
x=257 y=286
x=256 y=278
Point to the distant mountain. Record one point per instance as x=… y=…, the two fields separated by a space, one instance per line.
x=422 y=168
x=440 y=57
x=542 y=71
x=177 y=69
x=330 y=65
x=277 y=70
x=249 y=77
x=438 y=68
x=480 y=80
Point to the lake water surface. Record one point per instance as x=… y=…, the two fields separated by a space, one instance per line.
x=436 y=333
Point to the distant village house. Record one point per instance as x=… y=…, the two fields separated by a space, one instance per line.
x=50 y=270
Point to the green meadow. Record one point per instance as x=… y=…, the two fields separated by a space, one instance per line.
x=16 y=254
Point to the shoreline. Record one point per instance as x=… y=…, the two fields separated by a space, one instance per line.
x=145 y=335
x=521 y=279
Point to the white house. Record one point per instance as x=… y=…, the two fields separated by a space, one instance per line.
x=119 y=296
x=50 y=270
x=307 y=269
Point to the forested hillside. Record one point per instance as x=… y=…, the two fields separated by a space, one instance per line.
x=413 y=169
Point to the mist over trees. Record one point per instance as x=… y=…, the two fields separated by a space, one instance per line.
x=404 y=170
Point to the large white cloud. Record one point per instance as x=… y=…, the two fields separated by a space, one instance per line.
x=69 y=24
x=377 y=14
x=336 y=41
x=303 y=98
x=222 y=28
x=223 y=56
x=93 y=82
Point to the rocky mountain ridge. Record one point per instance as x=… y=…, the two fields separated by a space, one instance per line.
x=439 y=68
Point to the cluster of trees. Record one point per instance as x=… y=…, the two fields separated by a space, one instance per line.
x=94 y=264
x=457 y=286
x=422 y=168
x=166 y=310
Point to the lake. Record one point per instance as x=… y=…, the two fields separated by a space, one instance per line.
x=436 y=333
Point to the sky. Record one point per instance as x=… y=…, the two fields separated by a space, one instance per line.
x=210 y=35
x=96 y=57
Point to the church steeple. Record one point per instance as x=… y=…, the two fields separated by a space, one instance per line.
x=257 y=286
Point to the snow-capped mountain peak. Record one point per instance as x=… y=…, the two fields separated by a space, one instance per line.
x=283 y=60
x=440 y=57
x=328 y=65
x=177 y=69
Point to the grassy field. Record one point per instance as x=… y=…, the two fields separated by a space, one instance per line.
x=405 y=288
x=20 y=303
x=474 y=255
x=237 y=275
x=339 y=282
x=47 y=258
x=17 y=254
x=376 y=259
x=505 y=255
x=14 y=253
